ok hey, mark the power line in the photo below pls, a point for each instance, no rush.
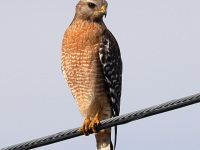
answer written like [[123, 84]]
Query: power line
[[119, 120]]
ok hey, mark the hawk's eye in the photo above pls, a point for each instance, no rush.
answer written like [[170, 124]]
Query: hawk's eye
[[91, 5]]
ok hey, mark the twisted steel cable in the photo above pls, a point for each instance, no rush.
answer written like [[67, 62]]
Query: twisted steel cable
[[119, 120]]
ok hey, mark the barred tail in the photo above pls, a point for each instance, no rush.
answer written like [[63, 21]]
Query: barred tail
[[103, 140]]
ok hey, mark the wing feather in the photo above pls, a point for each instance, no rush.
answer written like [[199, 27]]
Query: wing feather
[[110, 58]]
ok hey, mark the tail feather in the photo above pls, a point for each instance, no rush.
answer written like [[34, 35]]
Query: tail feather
[[111, 145], [103, 140], [115, 140]]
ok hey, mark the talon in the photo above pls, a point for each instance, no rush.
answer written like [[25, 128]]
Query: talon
[[94, 124], [85, 127]]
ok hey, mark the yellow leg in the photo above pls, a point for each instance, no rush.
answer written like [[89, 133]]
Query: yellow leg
[[95, 122], [85, 127]]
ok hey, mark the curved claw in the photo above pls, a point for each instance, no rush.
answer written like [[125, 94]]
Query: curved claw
[[85, 127], [95, 122]]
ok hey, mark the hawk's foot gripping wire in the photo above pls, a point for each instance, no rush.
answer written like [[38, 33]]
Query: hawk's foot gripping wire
[[95, 123], [85, 127]]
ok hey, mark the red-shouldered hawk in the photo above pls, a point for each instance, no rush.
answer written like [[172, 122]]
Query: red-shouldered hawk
[[92, 67]]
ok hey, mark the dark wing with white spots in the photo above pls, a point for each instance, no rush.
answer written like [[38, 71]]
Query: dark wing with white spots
[[110, 58]]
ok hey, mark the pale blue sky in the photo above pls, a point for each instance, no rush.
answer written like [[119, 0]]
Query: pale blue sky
[[160, 47]]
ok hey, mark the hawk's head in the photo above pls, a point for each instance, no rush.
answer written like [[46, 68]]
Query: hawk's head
[[91, 9]]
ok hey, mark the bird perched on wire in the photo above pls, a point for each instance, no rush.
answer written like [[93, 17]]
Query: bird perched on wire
[[92, 67]]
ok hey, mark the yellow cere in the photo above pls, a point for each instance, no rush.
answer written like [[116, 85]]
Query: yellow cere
[[103, 8]]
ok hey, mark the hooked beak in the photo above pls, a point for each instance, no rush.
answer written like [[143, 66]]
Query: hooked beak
[[104, 11]]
